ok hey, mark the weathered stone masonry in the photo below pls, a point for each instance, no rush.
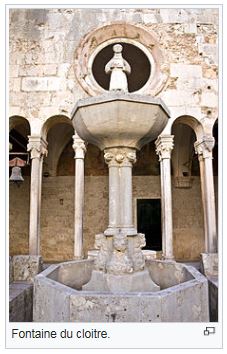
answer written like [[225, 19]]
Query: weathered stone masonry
[[44, 89]]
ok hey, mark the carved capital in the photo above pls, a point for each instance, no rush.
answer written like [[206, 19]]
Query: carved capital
[[120, 157], [204, 147], [37, 147], [164, 146], [79, 147]]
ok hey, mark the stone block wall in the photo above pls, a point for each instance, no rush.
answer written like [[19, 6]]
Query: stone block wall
[[57, 215], [43, 84], [19, 199], [43, 43]]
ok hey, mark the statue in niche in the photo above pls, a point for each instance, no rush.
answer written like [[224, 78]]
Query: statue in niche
[[118, 68]]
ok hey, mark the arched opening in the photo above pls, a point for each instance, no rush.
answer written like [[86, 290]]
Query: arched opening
[[188, 225], [19, 129], [57, 214]]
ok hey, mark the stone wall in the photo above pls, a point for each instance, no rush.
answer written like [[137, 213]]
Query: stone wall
[[43, 84], [43, 44], [57, 215], [19, 217]]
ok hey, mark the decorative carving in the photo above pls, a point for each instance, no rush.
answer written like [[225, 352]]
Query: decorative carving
[[37, 147], [164, 146], [103, 254], [204, 147], [120, 157], [120, 262], [138, 257], [118, 67], [79, 147]]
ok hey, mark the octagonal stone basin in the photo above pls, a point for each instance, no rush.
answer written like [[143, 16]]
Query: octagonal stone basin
[[58, 296], [120, 119]]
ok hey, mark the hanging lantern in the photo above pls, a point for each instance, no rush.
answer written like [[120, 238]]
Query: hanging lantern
[[16, 175]]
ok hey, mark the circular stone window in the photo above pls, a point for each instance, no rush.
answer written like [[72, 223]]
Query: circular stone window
[[137, 59], [140, 49]]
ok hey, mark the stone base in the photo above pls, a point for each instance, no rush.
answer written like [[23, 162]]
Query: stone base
[[26, 267], [137, 281], [209, 264]]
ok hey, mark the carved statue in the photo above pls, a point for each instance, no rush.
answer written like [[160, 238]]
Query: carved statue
[[118, 67]]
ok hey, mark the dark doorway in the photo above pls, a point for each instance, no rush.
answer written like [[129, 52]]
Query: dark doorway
[[149, 222]]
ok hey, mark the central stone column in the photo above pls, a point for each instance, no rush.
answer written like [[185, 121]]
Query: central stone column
[[120, 264], [120, 161]]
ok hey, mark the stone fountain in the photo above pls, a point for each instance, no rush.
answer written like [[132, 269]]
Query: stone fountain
[[120, 123], [120, 284]]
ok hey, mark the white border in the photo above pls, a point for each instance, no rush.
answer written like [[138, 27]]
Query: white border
[[177, 328]]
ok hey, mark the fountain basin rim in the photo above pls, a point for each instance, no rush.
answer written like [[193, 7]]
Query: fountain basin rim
[[120, 96]]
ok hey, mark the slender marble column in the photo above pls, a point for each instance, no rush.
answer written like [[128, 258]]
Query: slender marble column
[[38, 148], [114, 192], [120, 161], [204, 149], [80, 150], [164, 146]]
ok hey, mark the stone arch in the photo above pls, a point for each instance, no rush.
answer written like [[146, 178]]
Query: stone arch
[[120, 32], [15, 121], [52, 121], [19, 130], [58, 131], [186, 130], [189, 229]]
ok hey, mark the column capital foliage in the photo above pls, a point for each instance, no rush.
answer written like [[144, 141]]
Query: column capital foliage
[[120, 157], [37, 146], [79, 146], [164, 146], [204, 146]]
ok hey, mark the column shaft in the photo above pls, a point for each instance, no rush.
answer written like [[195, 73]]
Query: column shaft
[[210, 207], [120, 160], [34, 208], [203, 194], [167, 201], [126, 196], [114, 195], [204, 149], [37, 146], [164, 146], [80, 149]]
